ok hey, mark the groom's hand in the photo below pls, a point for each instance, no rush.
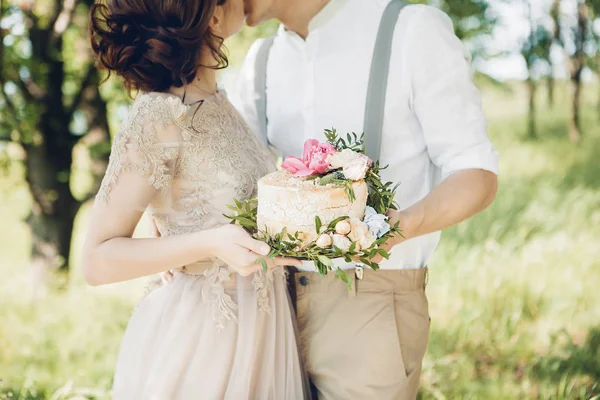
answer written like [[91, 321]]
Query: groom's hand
[[402, 219]]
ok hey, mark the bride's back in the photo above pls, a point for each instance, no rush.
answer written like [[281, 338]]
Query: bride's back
[[200, 157]]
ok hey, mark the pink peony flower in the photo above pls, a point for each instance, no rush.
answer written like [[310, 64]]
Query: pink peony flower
[[313, 161]]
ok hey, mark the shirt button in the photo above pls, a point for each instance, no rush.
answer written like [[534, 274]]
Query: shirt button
[[303, 280]]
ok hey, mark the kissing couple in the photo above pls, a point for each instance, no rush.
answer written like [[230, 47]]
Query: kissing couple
[[222, 327]]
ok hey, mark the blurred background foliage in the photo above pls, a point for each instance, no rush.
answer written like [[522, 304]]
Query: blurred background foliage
[[514, 292]]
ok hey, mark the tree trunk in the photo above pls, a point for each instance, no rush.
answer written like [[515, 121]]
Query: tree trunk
[[52, 215], [48, 167], [598, 76], [97, 140], [575, 122], [531, 130], [577, 66], [556, 36], [555, 14], [551, 88]]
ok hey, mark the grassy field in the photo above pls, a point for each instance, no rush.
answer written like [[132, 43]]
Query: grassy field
[[514, 292]]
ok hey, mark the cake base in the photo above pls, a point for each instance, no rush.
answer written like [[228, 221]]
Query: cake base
[[290, 204]]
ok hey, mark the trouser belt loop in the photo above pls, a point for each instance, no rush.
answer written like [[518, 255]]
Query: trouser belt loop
[[426, 280]]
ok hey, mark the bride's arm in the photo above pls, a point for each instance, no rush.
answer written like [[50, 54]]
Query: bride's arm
[[141, 169], [111, 254]]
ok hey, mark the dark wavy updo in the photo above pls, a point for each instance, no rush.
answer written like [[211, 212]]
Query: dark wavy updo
[[155, 44]]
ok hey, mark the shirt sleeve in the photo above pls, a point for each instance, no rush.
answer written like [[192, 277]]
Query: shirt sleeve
[[444, 97], [244, 93]]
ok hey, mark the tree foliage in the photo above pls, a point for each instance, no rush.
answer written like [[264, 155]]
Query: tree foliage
[[51, 106]]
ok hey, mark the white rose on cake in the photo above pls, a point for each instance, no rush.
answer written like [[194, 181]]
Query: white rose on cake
[[341, 242], [354, 165]]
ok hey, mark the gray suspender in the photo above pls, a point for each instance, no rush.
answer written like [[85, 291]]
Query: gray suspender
[[378, 77]]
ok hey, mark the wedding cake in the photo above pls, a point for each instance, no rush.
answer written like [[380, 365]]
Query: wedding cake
[[292, 203], [330, 204]]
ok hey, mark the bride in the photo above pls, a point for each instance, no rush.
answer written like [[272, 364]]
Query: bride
[[222, 328]]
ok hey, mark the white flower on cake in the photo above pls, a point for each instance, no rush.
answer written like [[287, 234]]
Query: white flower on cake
[[342, 227], [324, 241], [360, 234], [354, 165], [377, 223], [341, 242]]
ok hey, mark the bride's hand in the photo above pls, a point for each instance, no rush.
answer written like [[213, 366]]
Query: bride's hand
[[236, 248]]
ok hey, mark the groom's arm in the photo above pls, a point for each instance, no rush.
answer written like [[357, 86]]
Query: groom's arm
[[448, 107], [460, 196]]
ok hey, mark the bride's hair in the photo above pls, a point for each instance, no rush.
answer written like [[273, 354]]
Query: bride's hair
[[155, 44]]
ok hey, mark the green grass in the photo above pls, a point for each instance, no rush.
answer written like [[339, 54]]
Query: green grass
[[514, 292]]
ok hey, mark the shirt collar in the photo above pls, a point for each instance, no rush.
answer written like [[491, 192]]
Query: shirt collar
[[321, 19], [326, 14]]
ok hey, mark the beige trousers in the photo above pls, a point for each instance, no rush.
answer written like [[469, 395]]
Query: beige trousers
[[364, 343]]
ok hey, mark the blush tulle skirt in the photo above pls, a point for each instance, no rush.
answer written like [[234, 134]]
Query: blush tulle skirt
[[212, 336]]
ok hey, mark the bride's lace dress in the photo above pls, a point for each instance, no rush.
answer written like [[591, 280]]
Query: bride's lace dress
[[209, 334]]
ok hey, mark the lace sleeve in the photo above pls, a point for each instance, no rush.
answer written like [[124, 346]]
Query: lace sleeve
[[148, 145]]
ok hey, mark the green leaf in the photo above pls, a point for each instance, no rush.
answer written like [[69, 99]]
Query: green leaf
[[233, 208], [327, 179], [318, 224], [321, 268], [245, 222], [384, 253], [333, 223], [352, 247], [326, 261], [264, 265], [339, 273]]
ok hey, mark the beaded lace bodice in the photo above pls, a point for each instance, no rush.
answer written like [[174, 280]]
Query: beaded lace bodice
[[197, 159]]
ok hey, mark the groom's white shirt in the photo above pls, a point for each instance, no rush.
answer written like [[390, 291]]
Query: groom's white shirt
[[434, 124]]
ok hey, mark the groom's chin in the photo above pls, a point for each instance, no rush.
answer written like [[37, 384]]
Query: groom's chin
[[250, 21]]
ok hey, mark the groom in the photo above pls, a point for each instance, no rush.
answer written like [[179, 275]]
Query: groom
[[369, 343]]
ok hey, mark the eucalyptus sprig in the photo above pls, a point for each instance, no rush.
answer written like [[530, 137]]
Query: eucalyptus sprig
[[381, 195], [244, 214], [352, 141]]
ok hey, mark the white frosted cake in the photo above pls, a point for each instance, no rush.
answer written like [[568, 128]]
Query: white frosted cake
[[292, 203]]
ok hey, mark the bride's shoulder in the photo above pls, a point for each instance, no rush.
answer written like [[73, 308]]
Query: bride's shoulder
[[156, 106]]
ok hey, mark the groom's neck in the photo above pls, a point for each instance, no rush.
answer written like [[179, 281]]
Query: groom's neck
[[297, 14]]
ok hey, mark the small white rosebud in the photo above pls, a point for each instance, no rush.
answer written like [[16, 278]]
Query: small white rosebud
[[360, 234], [342, 227], [324, 241]]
